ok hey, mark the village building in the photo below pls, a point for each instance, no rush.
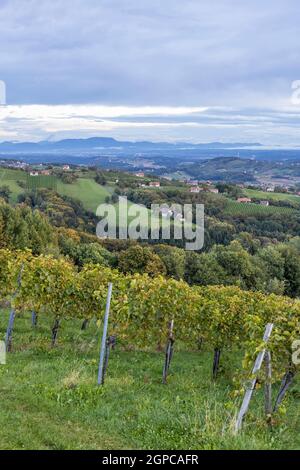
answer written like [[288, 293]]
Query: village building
[[195, 189], [244, 200], [213, 190]]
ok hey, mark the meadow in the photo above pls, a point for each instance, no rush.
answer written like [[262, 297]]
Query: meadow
[[90, 193], [50, 399], [10, 178], [86, 190]]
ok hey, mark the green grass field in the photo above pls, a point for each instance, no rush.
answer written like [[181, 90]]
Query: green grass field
[[9, 174], [50, 400], [9, 178], [90, 193], [85, 189]]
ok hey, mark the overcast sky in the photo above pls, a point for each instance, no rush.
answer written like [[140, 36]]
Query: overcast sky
[[195, 70]]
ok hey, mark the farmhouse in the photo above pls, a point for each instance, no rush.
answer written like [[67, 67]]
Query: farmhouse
[[264, 203], [213, 190], [244, 200], [140, 174], [195, 189], [66, 167], [154, 184]]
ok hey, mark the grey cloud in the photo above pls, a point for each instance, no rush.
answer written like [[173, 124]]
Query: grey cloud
[[236, 57], [219, 52]]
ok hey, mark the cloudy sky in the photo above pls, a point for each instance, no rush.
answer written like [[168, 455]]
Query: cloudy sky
[[193, 70]]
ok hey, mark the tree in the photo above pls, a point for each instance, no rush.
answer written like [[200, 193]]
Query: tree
[[204, 270], [173, 258], [291, 269], [100, 179], [139, 259], [22, 228], [5, 192]]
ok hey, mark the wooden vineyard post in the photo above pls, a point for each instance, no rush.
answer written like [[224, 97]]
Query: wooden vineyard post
[[12, 316], [285, 384], [103, 350], [169, 353], [9, 331], [216, 363], [54, 332], [33, 319], [251, 388], [268, 385], [110, 343], [84, 324]]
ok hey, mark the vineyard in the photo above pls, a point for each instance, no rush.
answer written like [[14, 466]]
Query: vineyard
[[251, 209], [148, 313], [41, 181]]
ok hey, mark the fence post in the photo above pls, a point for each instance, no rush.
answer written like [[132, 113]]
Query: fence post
[[104, 335], [169, 353], [12, 316], [268, 384], [251, 388], [10, 326], [285, 384], [33, 318]]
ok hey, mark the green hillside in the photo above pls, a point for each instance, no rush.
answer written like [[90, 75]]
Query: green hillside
[[90, 193], [269, 196], [9, 178]]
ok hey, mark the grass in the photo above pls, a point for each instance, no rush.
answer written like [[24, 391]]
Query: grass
[[9, 174], [49, 398], [85, 189], [9, 178], [90, 193]]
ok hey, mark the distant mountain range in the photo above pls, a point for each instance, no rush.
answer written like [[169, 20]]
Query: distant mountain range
[[107, 152], [101, 143]]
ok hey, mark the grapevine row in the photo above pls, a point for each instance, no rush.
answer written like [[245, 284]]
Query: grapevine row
[[224, 318]]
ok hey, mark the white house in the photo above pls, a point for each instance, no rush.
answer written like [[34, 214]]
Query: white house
[[195, 189]]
